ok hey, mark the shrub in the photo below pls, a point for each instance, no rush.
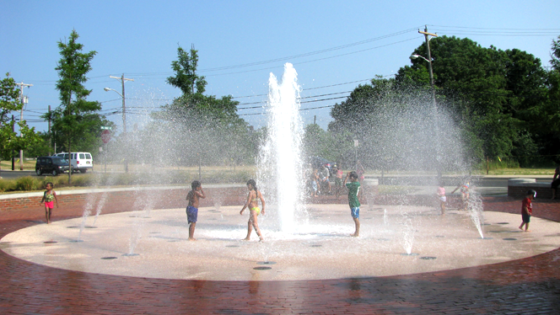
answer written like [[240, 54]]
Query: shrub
[[26, 183], [7, 185]]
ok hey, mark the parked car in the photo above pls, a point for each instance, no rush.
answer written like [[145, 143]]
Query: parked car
[[81, 161], [51, 165]]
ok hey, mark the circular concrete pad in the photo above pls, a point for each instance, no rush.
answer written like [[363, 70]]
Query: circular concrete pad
[[157, 246]]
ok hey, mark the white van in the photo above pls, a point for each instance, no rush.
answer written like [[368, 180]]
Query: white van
[[81, 161]]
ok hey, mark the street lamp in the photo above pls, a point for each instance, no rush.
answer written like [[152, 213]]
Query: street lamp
[[123, 79], [123, 106], [415, 56]]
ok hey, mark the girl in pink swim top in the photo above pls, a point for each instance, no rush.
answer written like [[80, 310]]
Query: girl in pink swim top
[[253, 205], [441, 197], [48, 198]]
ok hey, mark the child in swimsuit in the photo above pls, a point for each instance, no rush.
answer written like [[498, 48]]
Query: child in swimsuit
[[192, 208], [253, 205], [48, 198], [354, 199], [441, 197]]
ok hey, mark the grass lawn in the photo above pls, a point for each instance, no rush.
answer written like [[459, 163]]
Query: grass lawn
[[519, 171], [27, 165]]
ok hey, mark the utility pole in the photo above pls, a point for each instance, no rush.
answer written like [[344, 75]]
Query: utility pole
[[192, 48], [123, 79], [426, 35], [13, 153], [23, 101], [427, 38], [50, 136]]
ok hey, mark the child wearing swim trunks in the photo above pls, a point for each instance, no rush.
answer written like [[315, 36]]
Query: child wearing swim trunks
[[527, 209], [192, 208], [253, 205], [48, 198], [353, 199]]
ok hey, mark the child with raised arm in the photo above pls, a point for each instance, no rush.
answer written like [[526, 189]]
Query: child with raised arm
[[527, 209], [253, 205], [48, 198], [465, 195], [353, 199], [192, 208]]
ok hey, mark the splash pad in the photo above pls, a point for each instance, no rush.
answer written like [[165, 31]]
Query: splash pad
[[322, 249]]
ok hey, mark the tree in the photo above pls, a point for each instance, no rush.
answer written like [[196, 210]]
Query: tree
[[201, 129], [75, 117], [498, 92], [9, 102], [555, 56], [185, 73]]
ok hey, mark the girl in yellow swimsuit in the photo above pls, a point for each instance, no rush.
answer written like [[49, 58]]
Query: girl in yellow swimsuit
[[253, 205]]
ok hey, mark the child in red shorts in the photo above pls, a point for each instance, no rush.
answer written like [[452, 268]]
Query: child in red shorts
[[527, 209], [48, 198]]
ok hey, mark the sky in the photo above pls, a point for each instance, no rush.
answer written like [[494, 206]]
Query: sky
[[333, 45]]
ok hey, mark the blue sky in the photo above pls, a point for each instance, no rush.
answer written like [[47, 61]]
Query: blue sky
[[330, 43]]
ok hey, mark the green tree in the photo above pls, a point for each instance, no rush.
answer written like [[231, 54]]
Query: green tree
[[9, 102], [494, 91], [75, 117], [201, 129], [555, 57], [185, 77]]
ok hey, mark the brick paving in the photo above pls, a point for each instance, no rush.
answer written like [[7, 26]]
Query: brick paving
[[526, 286]]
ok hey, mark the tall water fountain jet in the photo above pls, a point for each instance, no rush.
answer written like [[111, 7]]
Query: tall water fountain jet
[[280, 163]]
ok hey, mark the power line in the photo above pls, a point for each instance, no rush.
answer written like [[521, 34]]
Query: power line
[[499, 28]]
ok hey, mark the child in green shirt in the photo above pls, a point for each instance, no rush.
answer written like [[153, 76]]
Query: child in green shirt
[[353, 199]]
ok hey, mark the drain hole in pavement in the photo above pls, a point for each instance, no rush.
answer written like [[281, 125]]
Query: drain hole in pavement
[[262, 268], [109, 257], [90, 227], [510, 239], [73, 227], [76, 241], [266, 263], [428, 257], [50, 242], [502, 223], [316, 245]]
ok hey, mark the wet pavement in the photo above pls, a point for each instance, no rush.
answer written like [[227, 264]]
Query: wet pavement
[[524, 286]]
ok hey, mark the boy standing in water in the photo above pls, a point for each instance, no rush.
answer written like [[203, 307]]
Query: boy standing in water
[[527, 209], [192, 209], [353, 199]]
